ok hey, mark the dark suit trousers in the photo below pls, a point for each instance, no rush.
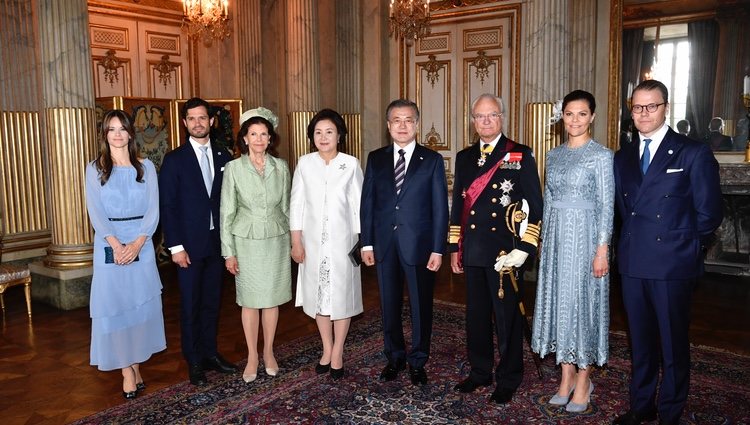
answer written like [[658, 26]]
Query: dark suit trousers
[[659, 312], [200, 296], [482, 304], [392, 271]]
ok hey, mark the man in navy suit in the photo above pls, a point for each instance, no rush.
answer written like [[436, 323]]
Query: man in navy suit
[[189, 188], [669, 200], [497, 207], [404, 213]]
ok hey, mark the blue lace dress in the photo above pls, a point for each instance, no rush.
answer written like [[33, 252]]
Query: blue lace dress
[[127, 323], [571, 314]]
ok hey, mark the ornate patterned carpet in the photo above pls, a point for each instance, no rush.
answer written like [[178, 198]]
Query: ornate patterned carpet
[[719, 393]]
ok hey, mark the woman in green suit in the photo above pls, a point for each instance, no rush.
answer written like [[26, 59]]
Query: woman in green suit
[[255, 233]]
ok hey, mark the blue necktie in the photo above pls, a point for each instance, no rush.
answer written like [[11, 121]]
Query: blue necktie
[[646, 157], [208, 179], [400, 170]]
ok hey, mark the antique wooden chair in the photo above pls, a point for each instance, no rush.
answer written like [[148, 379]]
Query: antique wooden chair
[[11, 275]]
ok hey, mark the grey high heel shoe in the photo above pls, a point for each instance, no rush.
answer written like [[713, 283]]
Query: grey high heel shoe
[[561, 400], [578, 408]]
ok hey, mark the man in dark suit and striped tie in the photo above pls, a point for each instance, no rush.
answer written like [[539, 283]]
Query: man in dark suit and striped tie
[[404, 213]]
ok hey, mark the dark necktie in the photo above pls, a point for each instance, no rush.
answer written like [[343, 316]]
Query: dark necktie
[[400, 171], [646, 157]]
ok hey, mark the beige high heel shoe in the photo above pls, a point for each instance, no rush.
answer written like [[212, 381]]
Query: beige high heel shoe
[[250, 377]]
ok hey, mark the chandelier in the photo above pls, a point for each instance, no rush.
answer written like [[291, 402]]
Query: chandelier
[[206, 19], [409, 19]]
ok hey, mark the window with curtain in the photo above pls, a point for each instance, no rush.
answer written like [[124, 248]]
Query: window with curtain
[[672, 67]]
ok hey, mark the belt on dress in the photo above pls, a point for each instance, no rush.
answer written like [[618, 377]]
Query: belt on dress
[[138, 217], [574, 204]]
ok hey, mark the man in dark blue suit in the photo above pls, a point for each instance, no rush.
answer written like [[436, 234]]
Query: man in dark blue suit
[[189, 188], [669, 201], [404, 213]]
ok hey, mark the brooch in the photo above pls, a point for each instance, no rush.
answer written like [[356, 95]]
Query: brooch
[[342, 167]]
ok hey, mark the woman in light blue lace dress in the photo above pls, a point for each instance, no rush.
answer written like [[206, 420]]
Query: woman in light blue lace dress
[[571, 314], [122, 198]]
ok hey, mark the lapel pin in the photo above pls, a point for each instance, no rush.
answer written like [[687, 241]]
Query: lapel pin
[[670, 151], [421, 158]]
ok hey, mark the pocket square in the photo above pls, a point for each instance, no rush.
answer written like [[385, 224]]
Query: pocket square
[[674, 170]]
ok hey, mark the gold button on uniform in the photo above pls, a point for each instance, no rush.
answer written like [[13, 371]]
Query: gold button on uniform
[[493, 229], [494, 185], [494, 200], [494, 214], [473, 226], [472, 212]]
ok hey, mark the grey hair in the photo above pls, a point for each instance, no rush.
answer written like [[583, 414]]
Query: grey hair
[[496, 99]]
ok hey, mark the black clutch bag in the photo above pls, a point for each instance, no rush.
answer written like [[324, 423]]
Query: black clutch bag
[[355, 255], [109, 255]]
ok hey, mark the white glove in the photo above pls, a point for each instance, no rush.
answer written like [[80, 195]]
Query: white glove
[[500, 262], [515, 258]]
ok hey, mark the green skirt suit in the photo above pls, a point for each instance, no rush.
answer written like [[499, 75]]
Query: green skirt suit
[[255, 229]]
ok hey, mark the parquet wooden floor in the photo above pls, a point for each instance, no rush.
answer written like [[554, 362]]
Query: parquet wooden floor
[[45, 377]]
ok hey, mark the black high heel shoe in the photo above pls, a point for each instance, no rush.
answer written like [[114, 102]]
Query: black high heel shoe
[[337, 374], [140, 386], [130, 394], [322, 368]]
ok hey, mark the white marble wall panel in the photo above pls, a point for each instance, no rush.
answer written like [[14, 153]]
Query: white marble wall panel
[[250, 52], [67, 79], [19, 90], [546, 51], [348, 56], [303, 74]]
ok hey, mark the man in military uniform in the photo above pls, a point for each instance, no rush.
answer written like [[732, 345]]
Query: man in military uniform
[[497, 207]]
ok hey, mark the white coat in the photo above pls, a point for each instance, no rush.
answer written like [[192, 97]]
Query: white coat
[[339, 184]]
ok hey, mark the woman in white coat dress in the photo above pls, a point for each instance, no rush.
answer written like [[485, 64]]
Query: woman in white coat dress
[[324, 224]]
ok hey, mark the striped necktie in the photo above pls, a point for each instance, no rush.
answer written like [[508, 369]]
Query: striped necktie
[[646, 157], [400, 171]]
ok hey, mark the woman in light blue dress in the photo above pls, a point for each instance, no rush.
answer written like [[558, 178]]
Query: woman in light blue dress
[[571, 314], [122, 198]]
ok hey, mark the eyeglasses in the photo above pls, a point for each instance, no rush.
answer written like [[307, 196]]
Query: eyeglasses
[[481, 117], [408, 121], [651, 107]]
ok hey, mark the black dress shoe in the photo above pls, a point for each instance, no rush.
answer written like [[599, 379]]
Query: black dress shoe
[[391, 370], [502, 395], [130, 394], [140, 386], [467, 386], [322, 368], [631, 417], [218, 364], [197, 377], [418, 375], [336, 374]]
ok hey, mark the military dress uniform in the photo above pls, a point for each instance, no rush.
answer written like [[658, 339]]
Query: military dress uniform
[[506, 215]]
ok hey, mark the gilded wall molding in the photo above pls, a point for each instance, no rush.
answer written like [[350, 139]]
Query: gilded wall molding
[[24, 204], [539, 135], [298, 141], [615, 74], [71, 143]]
